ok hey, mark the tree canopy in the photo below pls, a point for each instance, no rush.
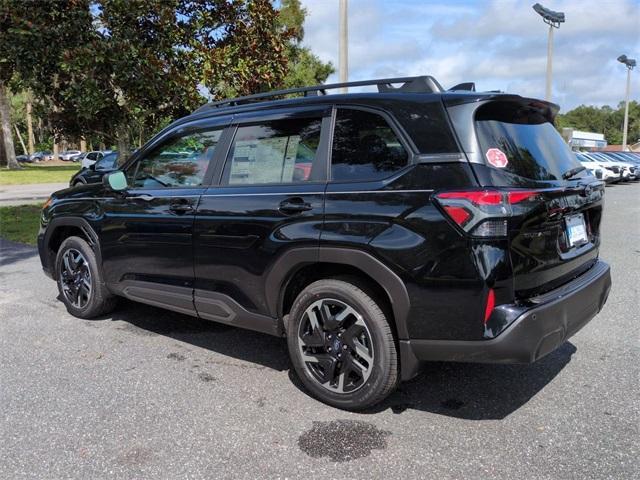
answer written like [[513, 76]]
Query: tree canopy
[[120, 69], [605, 120]]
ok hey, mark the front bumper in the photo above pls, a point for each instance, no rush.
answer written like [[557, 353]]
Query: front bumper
[[545, 323]]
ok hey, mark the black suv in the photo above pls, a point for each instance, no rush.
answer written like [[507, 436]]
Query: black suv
[[373, 230]]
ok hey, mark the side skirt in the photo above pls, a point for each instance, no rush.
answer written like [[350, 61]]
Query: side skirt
[[224, 309], [204, 304]]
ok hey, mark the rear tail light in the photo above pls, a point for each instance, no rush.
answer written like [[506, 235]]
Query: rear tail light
[[491, 303], [483, 213]]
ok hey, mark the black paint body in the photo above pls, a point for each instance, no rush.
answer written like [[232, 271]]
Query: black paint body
[[229, 253]]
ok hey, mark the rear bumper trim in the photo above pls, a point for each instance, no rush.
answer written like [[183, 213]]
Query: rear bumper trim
[[542, 328]]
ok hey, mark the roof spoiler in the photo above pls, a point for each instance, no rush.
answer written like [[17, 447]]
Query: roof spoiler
[[465, 87]]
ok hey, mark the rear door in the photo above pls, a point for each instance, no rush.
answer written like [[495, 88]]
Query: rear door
[[269, 199], [554, 230], [147, 234]]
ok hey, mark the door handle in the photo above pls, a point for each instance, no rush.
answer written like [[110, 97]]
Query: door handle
[[294, 205], [145, 197], [181, 207]]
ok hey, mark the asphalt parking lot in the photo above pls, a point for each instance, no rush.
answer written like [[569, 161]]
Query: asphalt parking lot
[[146, 393]]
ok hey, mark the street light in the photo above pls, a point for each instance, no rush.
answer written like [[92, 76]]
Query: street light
[[630, 63], [343, 62], [553, 19]]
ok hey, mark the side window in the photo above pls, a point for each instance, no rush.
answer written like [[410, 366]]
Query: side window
[[180, 162], [280, 151], [108, 162], [92, 156], [365, 147]]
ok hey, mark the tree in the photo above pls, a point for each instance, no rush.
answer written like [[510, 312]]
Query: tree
[[114, 70], [7, 67], [604, 120], [305, 68]]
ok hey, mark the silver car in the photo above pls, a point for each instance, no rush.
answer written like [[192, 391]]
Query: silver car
[[68, 155]]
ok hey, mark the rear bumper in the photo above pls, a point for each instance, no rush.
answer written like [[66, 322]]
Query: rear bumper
[[544, 324]]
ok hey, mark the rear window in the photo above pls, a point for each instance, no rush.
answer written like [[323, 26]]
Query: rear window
[[522, 135]]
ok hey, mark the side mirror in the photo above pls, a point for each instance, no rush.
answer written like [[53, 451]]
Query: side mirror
[[116, 181]]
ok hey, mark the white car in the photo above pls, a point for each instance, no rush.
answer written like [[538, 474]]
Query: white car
[[598, 170], [605, 160], [92, 157], [616, 170]]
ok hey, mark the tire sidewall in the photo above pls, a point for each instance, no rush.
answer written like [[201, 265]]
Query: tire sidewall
[[95, 301], [373, 317]]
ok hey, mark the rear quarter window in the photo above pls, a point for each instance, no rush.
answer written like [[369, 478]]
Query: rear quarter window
[[426, 124]]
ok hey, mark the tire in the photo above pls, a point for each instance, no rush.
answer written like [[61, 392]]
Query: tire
[[353, 325], [75, 266]]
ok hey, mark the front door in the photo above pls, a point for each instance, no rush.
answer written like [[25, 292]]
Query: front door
[[270, 198], [147, 234]]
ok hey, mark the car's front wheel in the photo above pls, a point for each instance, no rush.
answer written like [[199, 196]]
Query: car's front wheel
[[341, 344], [80, 282]]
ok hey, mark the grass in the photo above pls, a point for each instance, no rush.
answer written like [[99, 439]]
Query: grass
[[38, 174], [21, 223]]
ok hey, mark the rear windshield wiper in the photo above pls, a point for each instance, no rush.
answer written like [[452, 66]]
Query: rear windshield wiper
[[574, 171]]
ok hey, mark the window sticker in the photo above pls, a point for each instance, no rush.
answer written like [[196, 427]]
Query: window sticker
[[496, 158]]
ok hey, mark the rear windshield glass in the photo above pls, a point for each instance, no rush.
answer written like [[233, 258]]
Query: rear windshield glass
[[532, 146]]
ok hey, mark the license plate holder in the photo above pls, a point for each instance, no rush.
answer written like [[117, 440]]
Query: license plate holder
[[576, 230]]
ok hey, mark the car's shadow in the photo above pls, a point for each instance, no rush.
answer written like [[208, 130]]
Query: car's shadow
[[12, 252], [246, 345], [467, 391]]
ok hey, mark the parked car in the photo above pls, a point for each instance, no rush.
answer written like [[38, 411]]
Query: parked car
[[95, 172], [41, 156], [630, 157], [78, 157], [599, 170], [626, 169], [68, 155], [23, 159], [431, 225], [634, 171], [92, 157], [613, 168]]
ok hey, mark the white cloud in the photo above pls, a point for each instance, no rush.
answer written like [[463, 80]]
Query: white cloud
[[498, 44]]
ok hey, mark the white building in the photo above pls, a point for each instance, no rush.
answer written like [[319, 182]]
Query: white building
[[577, 139]]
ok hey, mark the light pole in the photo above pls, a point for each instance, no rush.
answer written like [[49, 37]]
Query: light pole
[[343, 66], [553, 19], [630, 63]]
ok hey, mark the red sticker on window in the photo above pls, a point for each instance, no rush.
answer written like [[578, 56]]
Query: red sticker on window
[[496, 157]]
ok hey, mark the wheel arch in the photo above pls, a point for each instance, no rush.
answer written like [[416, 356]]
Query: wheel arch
[[64, 227], [383, 280]]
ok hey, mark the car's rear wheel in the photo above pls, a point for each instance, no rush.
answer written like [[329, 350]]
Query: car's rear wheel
[[341, 344], [80, 282]]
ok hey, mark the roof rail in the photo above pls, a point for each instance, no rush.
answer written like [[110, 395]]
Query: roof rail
[[420, 84]]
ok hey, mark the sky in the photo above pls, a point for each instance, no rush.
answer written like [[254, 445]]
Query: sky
[[499, 44]]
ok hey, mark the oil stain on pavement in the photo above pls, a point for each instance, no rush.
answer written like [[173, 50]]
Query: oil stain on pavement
[[342, 440]]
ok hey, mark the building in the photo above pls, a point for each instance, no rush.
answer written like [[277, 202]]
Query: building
[[618, 148], [578, 140]]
